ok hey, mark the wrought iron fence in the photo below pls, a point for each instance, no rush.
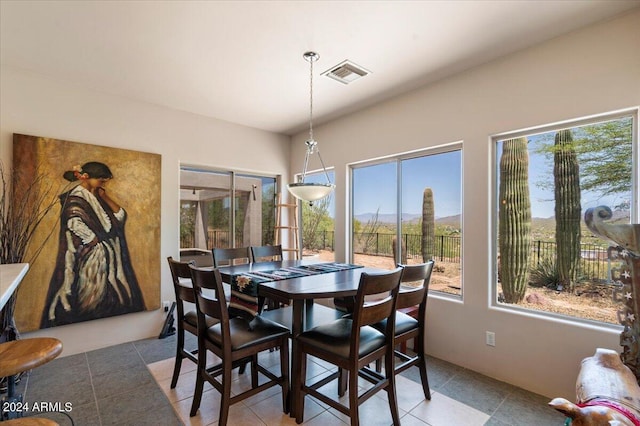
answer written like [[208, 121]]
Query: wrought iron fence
[[594, 262], [215, 238], [446, 247]]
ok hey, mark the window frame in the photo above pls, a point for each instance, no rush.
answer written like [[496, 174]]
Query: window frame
[[494, 193], [397, 159]]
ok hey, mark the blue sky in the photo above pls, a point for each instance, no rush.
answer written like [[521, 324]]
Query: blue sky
[[375, 186], [541, 181]]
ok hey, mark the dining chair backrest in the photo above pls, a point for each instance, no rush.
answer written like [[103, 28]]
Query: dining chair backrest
[[201, 257], [187, 321], [230, 256], [414, 295], [213, 305], [384, 286], [266, 253], [182, 292]]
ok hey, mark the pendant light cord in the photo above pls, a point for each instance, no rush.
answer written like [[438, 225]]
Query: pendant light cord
[[312, 145], [311, 61]]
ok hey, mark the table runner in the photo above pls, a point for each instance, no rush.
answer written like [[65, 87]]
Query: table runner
[[244, 287]]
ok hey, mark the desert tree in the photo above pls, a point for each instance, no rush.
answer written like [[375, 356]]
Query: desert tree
[[315, 221]]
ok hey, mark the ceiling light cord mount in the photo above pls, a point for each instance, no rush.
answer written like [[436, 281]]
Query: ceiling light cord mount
[[307, 191]]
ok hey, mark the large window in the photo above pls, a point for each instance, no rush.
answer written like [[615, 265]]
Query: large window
[[407, 209], [546, 258], [225, 209]]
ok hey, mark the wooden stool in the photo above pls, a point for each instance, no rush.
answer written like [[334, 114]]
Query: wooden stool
[[30, 421], [22, 355]]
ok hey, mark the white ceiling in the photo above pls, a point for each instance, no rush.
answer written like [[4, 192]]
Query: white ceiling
[[241, 61]]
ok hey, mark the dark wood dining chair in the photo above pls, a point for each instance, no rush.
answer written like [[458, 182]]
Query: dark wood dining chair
[[266, 253], [201, 257], [235, 256], [187, 319], [233, 340], [406, 326], [351, 344], [230, 256]]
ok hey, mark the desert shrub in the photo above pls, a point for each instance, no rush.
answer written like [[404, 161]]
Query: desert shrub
[[544, 274], [439, 268]]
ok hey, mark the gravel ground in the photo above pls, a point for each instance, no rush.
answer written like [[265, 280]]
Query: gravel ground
[[591, 301]]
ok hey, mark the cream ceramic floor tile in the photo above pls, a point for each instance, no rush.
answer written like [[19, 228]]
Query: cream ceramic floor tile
[[252, 400], [161, 369], [164, 369], [374, 412], [314, 370], [444, 411], [409, 393], [270, 411], [184, 388], [241, 415], [312, 408], [207, 414], [325, 419], [270, 359], [409, 420]]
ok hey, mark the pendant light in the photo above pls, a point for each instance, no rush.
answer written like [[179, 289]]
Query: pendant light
[[309, 191]]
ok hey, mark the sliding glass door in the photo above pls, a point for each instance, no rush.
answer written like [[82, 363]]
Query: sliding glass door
[[225, 209]]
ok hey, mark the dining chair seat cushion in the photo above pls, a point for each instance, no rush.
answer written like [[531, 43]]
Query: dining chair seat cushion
[[404, 323], [192, 318], [247, 333], [314, 315], [335, 338]]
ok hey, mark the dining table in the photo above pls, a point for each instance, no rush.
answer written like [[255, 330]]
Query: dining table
[[325, 280]]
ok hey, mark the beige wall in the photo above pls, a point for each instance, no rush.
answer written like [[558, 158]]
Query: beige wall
[[588, 72], [35, 105]]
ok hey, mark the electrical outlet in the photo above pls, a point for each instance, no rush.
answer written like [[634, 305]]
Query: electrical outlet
[[165, 305], [491, 338]]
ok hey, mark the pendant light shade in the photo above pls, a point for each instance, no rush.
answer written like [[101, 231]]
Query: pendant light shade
[[310, 191]]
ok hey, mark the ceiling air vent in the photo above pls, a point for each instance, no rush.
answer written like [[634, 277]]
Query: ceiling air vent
[[346, 72]]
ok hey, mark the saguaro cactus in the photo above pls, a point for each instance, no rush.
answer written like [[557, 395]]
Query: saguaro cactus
[[566, 179], [514, 231], [428, 225]]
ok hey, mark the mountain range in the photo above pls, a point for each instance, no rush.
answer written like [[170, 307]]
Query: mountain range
[[622, 216], [406, 217]]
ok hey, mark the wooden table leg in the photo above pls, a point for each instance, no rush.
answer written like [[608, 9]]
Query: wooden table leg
[[298, 308]]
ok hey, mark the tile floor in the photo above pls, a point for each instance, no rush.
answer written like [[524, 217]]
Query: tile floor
[[128, 384]]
